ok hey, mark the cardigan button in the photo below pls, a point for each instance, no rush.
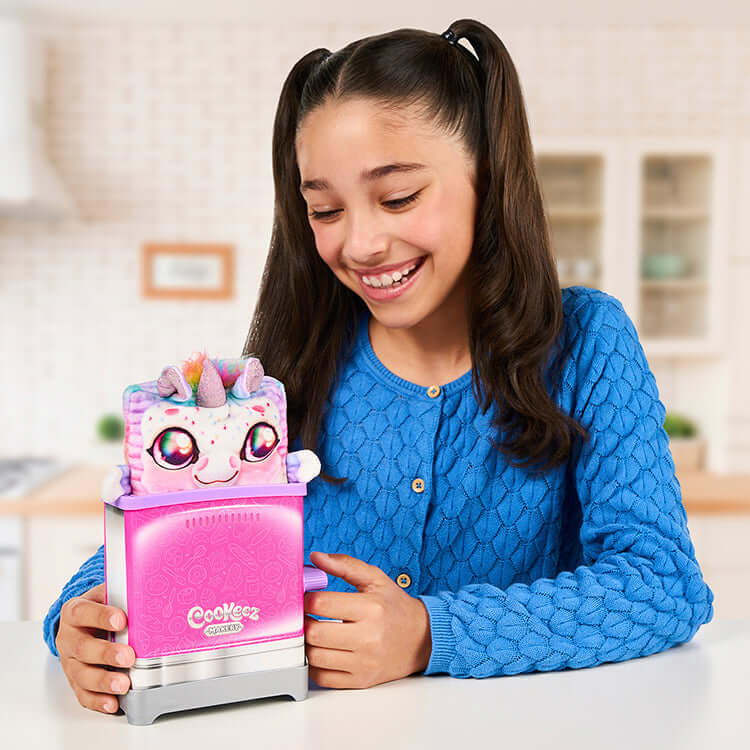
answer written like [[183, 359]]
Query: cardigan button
[[433, 391], [403, 580], [418, 485]]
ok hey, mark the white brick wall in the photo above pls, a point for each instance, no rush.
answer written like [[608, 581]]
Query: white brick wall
[[162, 131]]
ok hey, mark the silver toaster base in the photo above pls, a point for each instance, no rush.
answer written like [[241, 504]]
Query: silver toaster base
[[142, 706], [201, 665]]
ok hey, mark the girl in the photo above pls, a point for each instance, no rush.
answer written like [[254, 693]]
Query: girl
[[497, 488]]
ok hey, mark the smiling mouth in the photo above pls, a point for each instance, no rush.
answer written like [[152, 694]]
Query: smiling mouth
[[219, 481]]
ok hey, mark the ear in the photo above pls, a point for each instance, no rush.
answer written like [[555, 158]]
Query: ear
[[171, 383], [249, 380]]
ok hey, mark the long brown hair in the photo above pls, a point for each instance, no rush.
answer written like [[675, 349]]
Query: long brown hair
[[305, 320]]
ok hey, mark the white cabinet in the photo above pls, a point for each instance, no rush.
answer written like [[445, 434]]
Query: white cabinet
[[677, 198], [645, 220], [580, 180], [56, 547], [721, 550]]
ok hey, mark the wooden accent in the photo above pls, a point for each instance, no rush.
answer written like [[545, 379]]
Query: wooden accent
[[77, 492], [150, 251], [722, 494]]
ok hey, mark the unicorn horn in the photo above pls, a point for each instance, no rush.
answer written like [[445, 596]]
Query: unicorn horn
[[210, 388]]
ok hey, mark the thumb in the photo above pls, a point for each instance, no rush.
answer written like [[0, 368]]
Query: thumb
[[356, 572]]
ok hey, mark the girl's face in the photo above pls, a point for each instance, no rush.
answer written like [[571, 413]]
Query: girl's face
[[420, 217]]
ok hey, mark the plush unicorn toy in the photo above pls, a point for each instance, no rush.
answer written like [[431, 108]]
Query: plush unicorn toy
[[209, 423], [204, 540]]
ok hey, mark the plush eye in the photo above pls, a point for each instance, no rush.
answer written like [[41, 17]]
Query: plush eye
[[260, 441], [174, 448]]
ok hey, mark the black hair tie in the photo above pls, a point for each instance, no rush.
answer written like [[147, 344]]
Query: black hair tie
[[450, 36]]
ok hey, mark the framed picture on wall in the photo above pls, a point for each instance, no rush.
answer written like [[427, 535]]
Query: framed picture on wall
[[187, 271]]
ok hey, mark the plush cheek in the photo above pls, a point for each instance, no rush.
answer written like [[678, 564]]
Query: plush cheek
[[264, 472], [155, 479]]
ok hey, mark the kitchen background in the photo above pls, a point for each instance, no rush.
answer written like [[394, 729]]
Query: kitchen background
[[157, 120]]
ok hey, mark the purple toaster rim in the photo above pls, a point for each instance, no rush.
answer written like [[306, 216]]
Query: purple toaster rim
[[178, 497]]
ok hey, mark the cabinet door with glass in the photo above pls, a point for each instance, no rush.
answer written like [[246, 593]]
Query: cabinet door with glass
[[580, 180], [678, 198]]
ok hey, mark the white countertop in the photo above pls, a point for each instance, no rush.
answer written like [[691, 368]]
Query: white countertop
[[691, 696]]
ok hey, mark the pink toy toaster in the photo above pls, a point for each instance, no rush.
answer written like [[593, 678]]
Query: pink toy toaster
[[204, 540]]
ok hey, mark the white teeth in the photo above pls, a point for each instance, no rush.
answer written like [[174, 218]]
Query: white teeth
[[387, 279]]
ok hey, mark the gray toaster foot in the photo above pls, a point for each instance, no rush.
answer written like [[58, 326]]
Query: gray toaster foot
[[144, 705]]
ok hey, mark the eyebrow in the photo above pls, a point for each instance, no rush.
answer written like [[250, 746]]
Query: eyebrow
[[366, 175]]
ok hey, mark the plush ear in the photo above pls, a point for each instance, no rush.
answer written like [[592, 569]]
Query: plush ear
[[171, 383], [249, 380]]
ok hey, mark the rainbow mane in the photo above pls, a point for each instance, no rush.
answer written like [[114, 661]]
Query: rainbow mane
[[228, 369]]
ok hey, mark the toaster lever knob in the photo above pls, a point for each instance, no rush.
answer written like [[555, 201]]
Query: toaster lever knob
[[314, 578]]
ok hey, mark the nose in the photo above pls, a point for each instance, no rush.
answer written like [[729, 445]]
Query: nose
[[366, 242]]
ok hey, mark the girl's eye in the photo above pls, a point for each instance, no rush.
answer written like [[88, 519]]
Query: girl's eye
[[174, 448], [398, 203], [260, 441]]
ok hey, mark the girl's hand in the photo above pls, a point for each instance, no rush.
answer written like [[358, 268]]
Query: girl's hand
[[81, 651], [385, 633]]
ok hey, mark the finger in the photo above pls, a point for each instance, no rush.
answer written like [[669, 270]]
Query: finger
[[89, 650], [81, 612], [330, 658], [96, 679], [339, 605], [96, 701], [331, 678], [351, 569], [339, 635], [97, 593]]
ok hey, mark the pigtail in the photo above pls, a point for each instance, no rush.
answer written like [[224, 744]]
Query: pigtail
[[515, 314]]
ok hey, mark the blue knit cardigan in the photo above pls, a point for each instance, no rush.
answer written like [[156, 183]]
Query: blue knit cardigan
[[588, 563]]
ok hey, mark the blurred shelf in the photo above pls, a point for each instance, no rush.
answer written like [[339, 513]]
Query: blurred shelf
[[572, 281], [574, 213], [674, 285], [675, 213]]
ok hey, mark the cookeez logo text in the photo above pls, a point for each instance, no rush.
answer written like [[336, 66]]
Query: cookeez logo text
[[223, 619]]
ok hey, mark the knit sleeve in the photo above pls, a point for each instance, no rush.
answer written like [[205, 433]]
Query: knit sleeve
[[90, 574], [640, 589]]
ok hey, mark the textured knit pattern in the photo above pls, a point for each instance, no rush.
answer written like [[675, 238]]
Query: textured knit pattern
[[585, 564]]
